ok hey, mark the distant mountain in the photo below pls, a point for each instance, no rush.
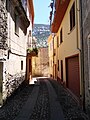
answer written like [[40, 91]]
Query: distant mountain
[[41, 33]]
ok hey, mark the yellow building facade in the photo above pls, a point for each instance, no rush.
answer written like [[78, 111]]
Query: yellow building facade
[[50, 49], [66, 48]]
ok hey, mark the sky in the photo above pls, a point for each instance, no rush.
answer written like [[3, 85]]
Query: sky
[[42, 11]]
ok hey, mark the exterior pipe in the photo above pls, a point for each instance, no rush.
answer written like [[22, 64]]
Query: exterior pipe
[[81, 51], [77, 10], [82, 57]]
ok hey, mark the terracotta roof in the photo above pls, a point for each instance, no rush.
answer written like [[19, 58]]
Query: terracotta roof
[[31, 10], [61, 7]]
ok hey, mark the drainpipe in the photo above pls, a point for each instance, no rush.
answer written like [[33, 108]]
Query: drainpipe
[[82, 56], [77, 10], [81, 50]]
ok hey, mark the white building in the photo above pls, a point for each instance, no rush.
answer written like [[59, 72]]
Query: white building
[[13, 45], [30, 14]]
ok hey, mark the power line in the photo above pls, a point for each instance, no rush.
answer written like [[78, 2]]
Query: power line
[[11, 40], [3, 36]]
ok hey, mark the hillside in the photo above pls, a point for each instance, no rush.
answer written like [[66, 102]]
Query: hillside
[[41, 33]]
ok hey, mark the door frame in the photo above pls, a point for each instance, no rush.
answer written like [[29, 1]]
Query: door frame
[[1, 86]]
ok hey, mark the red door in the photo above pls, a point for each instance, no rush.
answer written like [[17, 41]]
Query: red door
[[72, 75]]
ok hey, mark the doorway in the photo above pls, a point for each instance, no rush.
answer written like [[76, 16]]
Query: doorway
[[72, 74], [1, 79]]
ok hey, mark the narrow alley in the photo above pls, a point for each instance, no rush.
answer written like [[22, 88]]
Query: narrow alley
[[44, 100], [44, 60]]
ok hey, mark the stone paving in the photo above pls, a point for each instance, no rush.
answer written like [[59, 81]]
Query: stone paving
[[15, 102], [46, 100], [71, 108], [55, 107], [42, 108]]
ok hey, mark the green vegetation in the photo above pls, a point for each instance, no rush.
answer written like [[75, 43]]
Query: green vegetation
[[29, 50]]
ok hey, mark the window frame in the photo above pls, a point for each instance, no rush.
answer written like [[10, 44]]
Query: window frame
[[72, 16], [61, 36], [58, 65], [57, 41], [16, 24], [21, 64], [61, 70]]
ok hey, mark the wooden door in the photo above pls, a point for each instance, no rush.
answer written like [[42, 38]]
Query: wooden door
[[72, 75]]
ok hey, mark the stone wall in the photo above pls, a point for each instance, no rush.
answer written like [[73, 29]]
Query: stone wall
[[3, 25], [12, 74], [85, 32], [40, 64], [11, 83]]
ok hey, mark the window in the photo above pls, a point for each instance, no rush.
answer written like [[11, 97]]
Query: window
[[72, 16], [21, 65], [58, 65], [57, 41], [16, 24], [61, 37], [30, 33], [62, 70], [7, 4]]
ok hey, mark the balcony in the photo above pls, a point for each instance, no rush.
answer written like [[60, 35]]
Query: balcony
[[32, 52]]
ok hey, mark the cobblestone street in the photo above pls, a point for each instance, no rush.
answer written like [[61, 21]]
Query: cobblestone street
[[46, 100], [45, 60]]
